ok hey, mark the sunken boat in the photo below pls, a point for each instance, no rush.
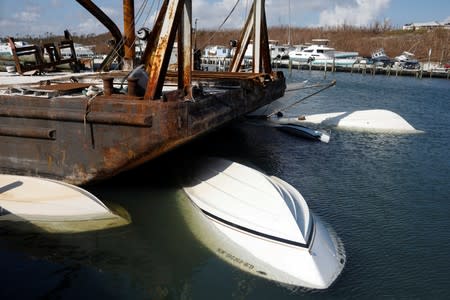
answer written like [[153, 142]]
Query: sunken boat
[[87, 127]]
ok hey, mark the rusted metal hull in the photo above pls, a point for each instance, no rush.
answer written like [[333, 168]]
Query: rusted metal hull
[[80, 141]]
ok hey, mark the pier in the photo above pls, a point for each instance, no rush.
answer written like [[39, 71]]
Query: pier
[[364, 69]]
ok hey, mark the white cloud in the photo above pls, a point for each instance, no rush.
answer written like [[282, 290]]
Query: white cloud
[[356, 13], [29, 14], [212, 15]]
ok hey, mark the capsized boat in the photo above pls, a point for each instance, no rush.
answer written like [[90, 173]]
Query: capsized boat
[[305, 132], [372, 120], [261, 224], [54, 206]]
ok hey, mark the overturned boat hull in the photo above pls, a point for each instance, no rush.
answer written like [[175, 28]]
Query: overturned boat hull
[[51, 206], [305, 132], [375, 120], [261, 225]]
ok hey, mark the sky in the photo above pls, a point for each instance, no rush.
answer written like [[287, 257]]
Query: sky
[[43, 17]]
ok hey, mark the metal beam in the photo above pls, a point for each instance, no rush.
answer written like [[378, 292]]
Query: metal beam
[[185, 51], [257, 36], [110, 25], [243, 42], [129, 35], [265, 49], [159, 56], [255, 27]]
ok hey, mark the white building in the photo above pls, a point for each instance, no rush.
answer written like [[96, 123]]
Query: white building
[[426, 25]]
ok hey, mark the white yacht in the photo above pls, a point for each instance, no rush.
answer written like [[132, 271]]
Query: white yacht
[[407, 60], [260, 224], [319, 53]]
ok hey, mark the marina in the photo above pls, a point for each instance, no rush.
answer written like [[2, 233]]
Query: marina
[[252, 171], [381, 193]]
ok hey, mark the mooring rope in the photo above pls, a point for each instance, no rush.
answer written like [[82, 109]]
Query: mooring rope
[[302, 99], [220, 27]]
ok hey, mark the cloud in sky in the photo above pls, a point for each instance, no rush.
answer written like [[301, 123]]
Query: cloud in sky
[[294, 12], [356, 12], [23, 17]]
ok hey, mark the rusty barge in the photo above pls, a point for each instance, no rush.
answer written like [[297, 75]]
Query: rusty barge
[[55, 129]]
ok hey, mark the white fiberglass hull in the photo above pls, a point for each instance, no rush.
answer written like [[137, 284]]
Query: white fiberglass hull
[[376, 120], [308, 256], [305, 132], [52, 206]]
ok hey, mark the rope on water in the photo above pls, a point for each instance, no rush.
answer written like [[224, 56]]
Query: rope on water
[[300, 100]]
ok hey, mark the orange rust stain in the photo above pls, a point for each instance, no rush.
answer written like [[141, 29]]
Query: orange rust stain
[[49, 161], [112, 156]]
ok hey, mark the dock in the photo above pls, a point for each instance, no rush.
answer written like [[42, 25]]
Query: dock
[[365, 69]]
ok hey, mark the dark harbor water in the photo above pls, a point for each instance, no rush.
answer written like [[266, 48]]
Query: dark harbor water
[[387, 197]]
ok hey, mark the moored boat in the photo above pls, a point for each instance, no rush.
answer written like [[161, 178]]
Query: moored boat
[[319, 53], [407, 60], [261, 224]]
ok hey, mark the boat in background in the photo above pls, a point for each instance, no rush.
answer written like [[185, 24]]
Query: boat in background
[[407, 60], [380, 58], [39, 204], [216, 58], [260, 224], [319, 53]]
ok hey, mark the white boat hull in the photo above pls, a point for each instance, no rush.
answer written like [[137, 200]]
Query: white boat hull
[[53, 206], [377, 120], [305, 132], [313, 263]]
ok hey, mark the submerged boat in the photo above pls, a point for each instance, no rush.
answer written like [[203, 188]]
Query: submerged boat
[[305, 132], [261, 224], [89, 127], [40, 204], [372, 120]]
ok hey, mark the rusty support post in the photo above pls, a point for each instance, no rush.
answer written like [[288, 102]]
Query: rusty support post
[[257, 37], [265, 54], [185, 50], [129, 35], [255, 26], [159, 56], [243, 42]]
